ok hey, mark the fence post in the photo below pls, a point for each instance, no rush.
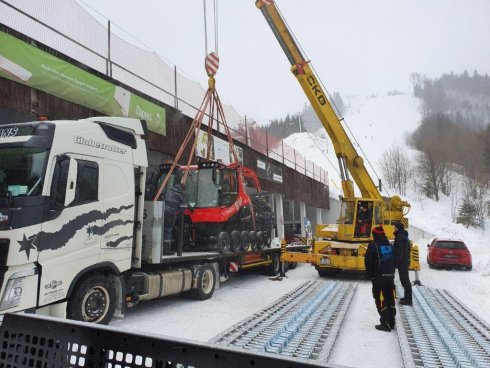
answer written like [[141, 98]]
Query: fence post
[[108, 61], [176, 99], [266, 143]]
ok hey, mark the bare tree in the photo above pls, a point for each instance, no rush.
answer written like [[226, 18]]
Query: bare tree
[[472, 211], [396, 167], [434, 139]]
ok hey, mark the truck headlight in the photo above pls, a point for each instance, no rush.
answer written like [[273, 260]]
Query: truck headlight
[[13, 292]]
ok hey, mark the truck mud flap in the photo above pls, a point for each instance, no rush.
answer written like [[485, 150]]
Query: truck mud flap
[[38, 341]]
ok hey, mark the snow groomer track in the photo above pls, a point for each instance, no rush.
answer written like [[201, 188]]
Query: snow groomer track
[[439, 331], [304, 323]]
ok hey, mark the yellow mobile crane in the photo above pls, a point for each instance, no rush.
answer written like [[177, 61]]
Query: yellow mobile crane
[[344, 244]]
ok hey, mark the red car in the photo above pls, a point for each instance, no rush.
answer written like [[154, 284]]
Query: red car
[[448, 252]]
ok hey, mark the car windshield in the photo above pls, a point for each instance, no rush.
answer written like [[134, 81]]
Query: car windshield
[[22, 171], [450, 245]]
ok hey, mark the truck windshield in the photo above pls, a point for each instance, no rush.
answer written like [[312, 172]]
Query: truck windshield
[[22, 171]]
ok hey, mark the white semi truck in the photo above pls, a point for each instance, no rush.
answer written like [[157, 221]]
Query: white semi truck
[[77, 239]]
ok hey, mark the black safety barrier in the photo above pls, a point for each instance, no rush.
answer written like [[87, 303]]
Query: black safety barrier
[[44, 342]]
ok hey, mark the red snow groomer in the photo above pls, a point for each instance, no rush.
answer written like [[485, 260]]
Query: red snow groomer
[[225, 207]]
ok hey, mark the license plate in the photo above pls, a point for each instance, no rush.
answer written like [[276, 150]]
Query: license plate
[[325, 261], [450, 256]]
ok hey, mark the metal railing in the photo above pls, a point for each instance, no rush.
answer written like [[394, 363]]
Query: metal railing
[[67, 27]]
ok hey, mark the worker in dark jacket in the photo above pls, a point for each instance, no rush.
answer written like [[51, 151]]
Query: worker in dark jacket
[[174, 197], [402, 261], [380, 268]]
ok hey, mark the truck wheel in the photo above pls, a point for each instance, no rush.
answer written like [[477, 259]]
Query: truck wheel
[[275, 265], [93, 300], [253, 239], [244, 241], [205, 283], [235, 241], [293, 265], [223, 242]]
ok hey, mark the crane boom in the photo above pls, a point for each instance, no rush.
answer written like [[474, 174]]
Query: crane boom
[[340, 246], [349, 161]]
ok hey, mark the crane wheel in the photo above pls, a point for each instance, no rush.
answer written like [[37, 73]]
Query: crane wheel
[[235, 241]]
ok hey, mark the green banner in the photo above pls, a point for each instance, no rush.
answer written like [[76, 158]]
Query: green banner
[[28, 65]]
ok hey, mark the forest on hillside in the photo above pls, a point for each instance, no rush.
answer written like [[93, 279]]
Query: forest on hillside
[[453, 141]]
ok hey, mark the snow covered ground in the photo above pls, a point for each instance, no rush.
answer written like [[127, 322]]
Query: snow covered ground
[[383, 121]]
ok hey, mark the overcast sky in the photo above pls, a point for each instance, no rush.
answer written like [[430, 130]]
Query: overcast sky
[[357, 47]]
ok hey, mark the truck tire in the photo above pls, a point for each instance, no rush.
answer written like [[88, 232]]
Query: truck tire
[[223, 242], [205, 283], [235, 241], [244, 241], [275, 265], [93, 300], [293, 265]]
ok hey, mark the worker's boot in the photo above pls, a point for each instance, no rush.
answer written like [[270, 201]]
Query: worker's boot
[[405, 301], [167, 248]]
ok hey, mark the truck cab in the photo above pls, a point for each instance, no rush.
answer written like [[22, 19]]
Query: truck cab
[[68, 209]]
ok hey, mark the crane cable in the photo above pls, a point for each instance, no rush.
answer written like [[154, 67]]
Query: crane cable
[[215, 21]]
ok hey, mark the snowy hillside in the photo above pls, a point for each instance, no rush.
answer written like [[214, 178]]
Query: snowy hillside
[[376, 123]]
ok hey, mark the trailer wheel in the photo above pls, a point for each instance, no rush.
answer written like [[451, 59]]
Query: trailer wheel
[[260, 240], [275, 265], [253, 239], [244, 241], [93, 300], [205, 283], [223, 242], [235, 241]]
